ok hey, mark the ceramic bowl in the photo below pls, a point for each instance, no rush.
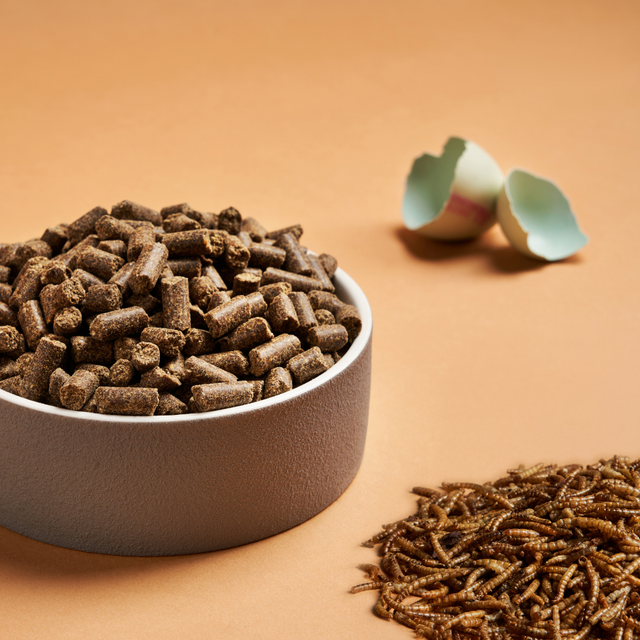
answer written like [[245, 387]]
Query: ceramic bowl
[[173, 485]]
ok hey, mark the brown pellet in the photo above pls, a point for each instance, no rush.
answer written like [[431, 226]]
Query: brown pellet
[[5, 274], [101, 371], [121, 373], [70, 293], [117, 247], [91, 350], [22, 347], [296, 260], [148, 267], [110, 228], [328, 337], [227, 316], [175, 366], [160, 379], [325, 300], [198, 342], [307, 365], [49, 355], [257, 305], [156, 320], [200, 291], [54, 273], [127, 401], [323, 316], [248, 335], [175, 303], [282, 314], [329, 263], [99, 263], [85, 225], [149, 303], [230, 220], [8, 368], [270, 291], [141, 237], [179, 222], [245, 283], [119, 323], [319, 273], [295, 230], [77, 390], [102, 298], [212, 273], [145, 356], [123, 347], [12, 385], [298, 282], [278, 381], [169, 405], [8, 339], [67, 322], [24, 362], [349, 316], [32, 323], [8, 315], [266, 255], [86, 279], [56, 380], [218, 298], [200, 371], [210, 397], [274, 353], [121, 278], [306, 316], [236, 255], [170, 341], [55, 237], [5, 292], [191, 243], [232, 361], [254, 229], [185, 267], [127, 210], [27, 285]]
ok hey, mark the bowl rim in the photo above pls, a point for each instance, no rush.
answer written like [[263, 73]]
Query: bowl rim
[[343, 281]]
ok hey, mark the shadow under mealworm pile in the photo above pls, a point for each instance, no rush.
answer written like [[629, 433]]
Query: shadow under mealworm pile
[[546, 552]]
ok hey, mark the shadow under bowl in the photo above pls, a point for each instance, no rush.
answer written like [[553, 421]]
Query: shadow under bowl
[[174, 485]]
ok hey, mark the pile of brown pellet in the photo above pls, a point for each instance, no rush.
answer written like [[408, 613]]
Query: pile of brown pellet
[[139, 312], [546, 552]]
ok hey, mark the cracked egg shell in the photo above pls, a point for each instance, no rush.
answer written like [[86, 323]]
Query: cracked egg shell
[[452, 197], [537, 219]]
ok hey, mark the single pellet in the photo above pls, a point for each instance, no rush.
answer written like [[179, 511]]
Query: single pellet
[[141, 237], [9, 337], [85, 225], [8, 315], [121, 373], [328, 337], [274, 353], [295, 230], [55, 237], [67, 322], [116, 247], [278, 381], [123, 347], [89, 349], [319, 273], [127, 401], [119, 323], [99, 370], [298, 282], [227, 316], [270, 291], [148, 267], [200, 291], [254, 229], [70, 256], [257, 305], [121, 279], [236, 255], [325, 300], [170, 341], [160, 379], [86, 279], [8, 368], [296, 260], [232, 361], [266, 255], [70, 293], [169, 405], [248, 335], [127, 210], [185, 267], [212, 273], [145, 356], [349, 316], [56, 380], [323, 316], [198, 342], [179, 222], [304, 311], [175, 303], [49, 355], [183, 207], [197, 242], [54, 273], [230, 220], [222, 395], [218, 298], [245, 283], [32, 323], [99, 263], [28, 285], [200, 371], [149, 303], [282, 314], [12, 385], [307, 365], [102, 298], [110, 228], [77, 390], [329, 263]]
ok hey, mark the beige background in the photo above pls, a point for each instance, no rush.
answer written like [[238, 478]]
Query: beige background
[[312, 112]]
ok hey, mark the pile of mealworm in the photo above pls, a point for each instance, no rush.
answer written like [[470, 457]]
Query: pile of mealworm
[[546, 552]]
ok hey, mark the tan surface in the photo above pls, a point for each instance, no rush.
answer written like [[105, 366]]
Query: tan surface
[[313, 112]]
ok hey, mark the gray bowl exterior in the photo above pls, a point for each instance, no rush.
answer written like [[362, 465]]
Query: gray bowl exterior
[[150, 488]]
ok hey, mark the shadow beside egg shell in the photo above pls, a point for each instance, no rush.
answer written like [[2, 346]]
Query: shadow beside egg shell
[[452, 197], [536, 217]]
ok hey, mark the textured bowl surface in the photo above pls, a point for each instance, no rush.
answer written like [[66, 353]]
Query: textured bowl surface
[[172, 485]]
